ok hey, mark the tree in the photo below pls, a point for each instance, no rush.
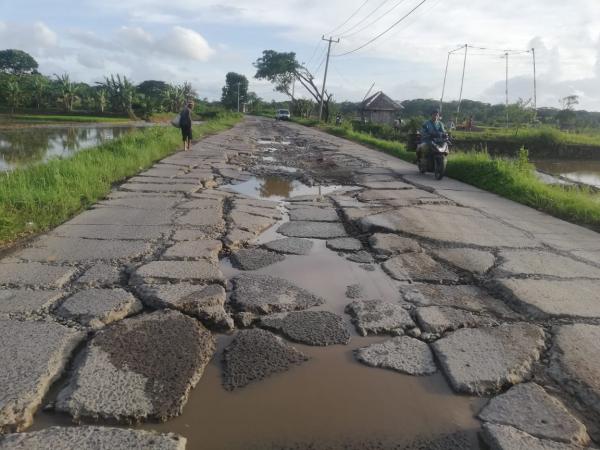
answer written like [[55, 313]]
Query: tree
[[121, 94], [520, 113], [14, 94], [567, 116], [283, 69], [229, 97], [67, 92], [17, 62], [100, 99], [39, 90]]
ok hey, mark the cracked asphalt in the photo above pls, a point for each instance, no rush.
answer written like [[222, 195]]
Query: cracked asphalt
[[278, 287]]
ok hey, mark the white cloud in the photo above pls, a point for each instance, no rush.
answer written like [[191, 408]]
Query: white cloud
[[185, 43], [35, 37]]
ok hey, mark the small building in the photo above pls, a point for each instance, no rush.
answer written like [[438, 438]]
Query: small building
[[379, 108]]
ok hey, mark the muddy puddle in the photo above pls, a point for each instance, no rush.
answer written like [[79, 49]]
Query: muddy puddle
[[278, 188]]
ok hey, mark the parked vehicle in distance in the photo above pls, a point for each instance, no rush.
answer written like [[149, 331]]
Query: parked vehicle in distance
[[282, 114]]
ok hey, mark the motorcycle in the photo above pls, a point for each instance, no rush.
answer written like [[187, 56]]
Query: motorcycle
[[435, 158]]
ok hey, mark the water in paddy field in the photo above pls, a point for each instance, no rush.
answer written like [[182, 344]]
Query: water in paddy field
[[582, 171], [278, 188], [22, 147]]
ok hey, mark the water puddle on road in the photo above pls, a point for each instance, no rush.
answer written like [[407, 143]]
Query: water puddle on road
[[278, 188]]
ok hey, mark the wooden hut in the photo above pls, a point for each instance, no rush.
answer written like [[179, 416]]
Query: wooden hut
[[379, 108]]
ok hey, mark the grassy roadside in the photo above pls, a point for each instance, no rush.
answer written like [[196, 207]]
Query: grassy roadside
[[40, 197], [530, 136], [510, 178]]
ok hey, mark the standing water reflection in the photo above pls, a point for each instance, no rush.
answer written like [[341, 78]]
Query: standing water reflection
[[21, 147]]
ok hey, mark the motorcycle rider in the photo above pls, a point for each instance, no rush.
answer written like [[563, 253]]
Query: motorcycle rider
[[432, 129]]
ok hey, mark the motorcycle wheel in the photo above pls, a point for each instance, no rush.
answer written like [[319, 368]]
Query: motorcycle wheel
[[439, 167]]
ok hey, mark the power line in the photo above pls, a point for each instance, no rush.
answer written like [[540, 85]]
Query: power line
[[313, 53], [383, 32], [364, 18], [375, 21], [349, 18]]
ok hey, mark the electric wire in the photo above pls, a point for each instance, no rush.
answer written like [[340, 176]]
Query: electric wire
[[313, 53], [349, 18], [375, 21], [357, 24], [383, 32]]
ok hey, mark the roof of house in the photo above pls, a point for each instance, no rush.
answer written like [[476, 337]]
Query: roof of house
[[380, 102]]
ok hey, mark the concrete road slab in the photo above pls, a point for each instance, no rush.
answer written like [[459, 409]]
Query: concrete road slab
[[402, 354], [158, 272], [34, 355], [35, 274]]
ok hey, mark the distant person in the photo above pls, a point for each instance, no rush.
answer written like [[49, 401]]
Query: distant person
[[452, 126], [185, 122], [470, 123]]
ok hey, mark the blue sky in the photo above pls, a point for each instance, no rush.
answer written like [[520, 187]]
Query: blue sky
[[200, 41]]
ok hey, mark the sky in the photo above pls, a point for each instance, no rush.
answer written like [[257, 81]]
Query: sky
[[201, 40]]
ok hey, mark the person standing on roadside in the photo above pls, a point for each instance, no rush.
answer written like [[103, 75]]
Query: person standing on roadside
[[185, 122]]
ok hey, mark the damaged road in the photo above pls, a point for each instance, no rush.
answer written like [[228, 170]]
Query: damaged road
[[278, 287]]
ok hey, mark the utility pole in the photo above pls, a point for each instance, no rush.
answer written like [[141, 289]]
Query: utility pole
[[506, 88], [330, 40], [462, 83], [238, 96], [534, 87], [444, 85]]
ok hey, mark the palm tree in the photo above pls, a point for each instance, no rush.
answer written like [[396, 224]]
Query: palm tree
[[14, 94], [39, 90], [121, 93], [67, 92], [101, 99], [174, 98]]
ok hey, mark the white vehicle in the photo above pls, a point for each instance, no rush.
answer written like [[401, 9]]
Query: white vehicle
[[282, 114]]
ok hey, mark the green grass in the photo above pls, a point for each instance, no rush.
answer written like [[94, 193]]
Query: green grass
[[529, 136], [52, 118], [510, 178], [40, 197]]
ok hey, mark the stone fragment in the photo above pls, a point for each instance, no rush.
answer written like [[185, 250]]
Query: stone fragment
[[391, 244], [502, 437], [346, 244], [440, 319], [250, 222], [317, 230], [403, 354], [34, 355], [75, 249], [254, 258], [35, 274], [202, 218], [470, 298], [484, 360], [529, 408], [207, 303], [314, 214], [575, 362], [156, 272], [254, 355], [309, 327], [264, 294], [361, 257], [112, 237], [469, 259], [92, 438], [537, 262], [355, 291], [199, 249], [379, 317], [141, 368], [27, 301], [99, 275], [450, 224], [237, 238], [417, 267], [551, 298], [96, 308], [292, 246]]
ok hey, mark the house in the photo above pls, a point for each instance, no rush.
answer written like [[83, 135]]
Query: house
[[379, 108]]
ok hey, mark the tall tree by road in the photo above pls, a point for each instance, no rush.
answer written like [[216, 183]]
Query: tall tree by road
[[282, 69], [229, 97], [17, 62]]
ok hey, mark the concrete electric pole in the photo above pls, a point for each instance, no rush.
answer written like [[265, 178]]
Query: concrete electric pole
[[330, 40], [238, 96]]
